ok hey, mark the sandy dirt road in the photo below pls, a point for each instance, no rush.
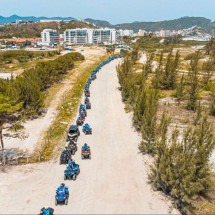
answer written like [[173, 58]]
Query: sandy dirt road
[[113, 182]]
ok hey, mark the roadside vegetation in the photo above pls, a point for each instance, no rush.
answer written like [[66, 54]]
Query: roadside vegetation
[[174, 112], [17, 61], [23, 97], [22, 56]]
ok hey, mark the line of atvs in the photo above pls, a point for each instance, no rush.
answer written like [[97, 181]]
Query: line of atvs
[[72, 169]]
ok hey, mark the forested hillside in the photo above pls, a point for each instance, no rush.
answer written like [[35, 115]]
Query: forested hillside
[[34, 29], [177, 24]]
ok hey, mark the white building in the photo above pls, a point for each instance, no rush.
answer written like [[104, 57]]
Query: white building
[[82, 36], [165, 33], [141, 33], [106, 36], [54, 20], [126, 32], [49, 36]]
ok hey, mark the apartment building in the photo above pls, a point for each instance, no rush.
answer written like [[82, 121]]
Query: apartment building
[[82, 36], [126, 32], [49, 37]]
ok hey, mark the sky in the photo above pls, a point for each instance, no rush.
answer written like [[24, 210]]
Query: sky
[[114, 11]]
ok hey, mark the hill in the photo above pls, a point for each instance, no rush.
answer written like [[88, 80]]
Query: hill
[[13, 18], [34, 29], [100, 23], [176, 24]]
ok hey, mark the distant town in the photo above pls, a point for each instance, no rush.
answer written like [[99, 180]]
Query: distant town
[[51, 38]]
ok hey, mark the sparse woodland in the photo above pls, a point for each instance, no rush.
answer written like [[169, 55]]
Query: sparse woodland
[[23, 96], [181, 155]]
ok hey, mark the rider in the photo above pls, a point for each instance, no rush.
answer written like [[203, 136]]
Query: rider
[[66, 151], [63, 188], [71, 164], [71, 143], [47, 211], [87, 126], [87, 99], [79, 120], [85, 147]]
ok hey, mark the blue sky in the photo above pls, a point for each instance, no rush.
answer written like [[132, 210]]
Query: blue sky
[[114, 11]]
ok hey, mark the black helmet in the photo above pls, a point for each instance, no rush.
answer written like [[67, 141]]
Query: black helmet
[[63, 184]]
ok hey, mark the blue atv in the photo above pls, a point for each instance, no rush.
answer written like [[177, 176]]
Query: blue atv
[[87, 85], [93, 76], [86, 100], [87, 92], [79, 121], [85, 152], [88, 105], [81, 107], [61, 198], [89, 81], [71, 172], [87, 129], [65, 156]]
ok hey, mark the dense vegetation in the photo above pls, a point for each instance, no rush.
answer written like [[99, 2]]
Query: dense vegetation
[[181, 168], [26, 92], [34, 29], [24, 56], [29, 86]]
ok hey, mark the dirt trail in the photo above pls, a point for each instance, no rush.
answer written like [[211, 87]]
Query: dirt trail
[[113, 182]]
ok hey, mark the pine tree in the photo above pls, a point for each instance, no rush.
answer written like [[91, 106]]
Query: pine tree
[[166, 76], [148, 67], [7, 109], [207, 69], [193, 78], [149, 120], [212, 103], [198, 115], [180, 88]]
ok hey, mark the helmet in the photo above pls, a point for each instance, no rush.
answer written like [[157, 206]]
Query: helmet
[[46, 207], [63, 184], [85, 144]]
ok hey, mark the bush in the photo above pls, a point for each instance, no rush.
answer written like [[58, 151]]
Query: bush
[[181, 168]]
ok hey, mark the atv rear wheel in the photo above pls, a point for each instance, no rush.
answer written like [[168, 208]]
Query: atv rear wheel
[[56, 202], [82, 156], [65, 177], [74, 177], [73, 152], [66, 201]]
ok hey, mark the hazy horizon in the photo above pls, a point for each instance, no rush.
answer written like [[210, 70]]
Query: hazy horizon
[[110, 10]]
